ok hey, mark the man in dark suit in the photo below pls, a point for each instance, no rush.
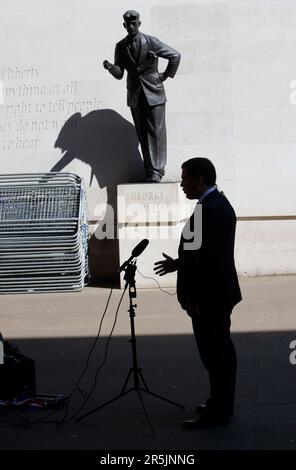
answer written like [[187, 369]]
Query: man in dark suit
[[208, 288], [138, 54]]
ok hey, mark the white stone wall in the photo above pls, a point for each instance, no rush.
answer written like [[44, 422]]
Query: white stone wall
[[233, 99]]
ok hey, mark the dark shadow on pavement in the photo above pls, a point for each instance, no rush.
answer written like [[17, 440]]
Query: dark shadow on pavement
[[265, 412]]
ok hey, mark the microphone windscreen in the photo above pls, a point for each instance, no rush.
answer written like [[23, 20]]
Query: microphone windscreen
[[140, 248]]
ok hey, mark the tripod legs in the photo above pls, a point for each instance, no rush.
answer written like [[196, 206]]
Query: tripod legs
[[145, 412], [147, 390], [130, 270], [136, 388]]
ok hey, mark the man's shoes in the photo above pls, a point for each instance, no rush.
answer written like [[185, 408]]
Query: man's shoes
[[200, 408], [205, 421]]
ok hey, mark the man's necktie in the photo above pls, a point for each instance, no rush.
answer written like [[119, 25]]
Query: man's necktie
[[134, 49]]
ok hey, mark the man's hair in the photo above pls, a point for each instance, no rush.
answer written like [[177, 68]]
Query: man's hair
[[201, 166], [131, 15]]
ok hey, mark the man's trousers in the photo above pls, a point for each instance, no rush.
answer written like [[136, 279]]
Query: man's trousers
[[151, 131], [212, 333]]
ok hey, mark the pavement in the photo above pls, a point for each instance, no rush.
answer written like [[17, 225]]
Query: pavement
[[58, 330]]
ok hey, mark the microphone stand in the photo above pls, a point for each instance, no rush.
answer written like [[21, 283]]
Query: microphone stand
[[135, 371]]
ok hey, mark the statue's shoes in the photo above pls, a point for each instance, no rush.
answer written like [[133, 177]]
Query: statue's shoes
[[152, 179]]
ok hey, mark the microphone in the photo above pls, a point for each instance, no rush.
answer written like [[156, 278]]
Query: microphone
[[137, 251]]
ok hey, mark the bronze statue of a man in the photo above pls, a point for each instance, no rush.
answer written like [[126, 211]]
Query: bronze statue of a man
[[138, 54]]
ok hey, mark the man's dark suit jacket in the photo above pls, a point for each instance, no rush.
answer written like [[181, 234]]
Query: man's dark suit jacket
[[143, 72], [207, 277]]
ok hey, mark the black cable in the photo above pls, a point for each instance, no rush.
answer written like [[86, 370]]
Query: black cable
[[93, 346], [159, 286], [25, 420], [76, 388], [101, 365], [9, 421]]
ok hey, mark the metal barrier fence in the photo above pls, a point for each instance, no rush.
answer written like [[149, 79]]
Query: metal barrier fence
[[43, 233]]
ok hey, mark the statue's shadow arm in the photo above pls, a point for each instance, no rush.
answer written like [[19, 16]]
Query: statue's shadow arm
[[63, 162]]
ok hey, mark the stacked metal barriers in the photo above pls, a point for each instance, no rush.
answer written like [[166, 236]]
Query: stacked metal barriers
[[43, 233]]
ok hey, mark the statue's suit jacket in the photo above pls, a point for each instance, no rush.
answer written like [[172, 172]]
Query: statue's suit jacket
[[142, 73], [207, 276]]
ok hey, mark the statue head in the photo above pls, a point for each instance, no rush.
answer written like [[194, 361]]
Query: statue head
[[131, 22]]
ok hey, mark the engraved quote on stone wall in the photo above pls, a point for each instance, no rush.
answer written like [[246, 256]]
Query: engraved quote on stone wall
[[31, 106]]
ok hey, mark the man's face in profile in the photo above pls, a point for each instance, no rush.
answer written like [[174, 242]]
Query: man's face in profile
[[191, 185], [132, 27]]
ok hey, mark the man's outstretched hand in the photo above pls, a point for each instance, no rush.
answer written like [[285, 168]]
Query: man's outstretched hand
[[168, 265]]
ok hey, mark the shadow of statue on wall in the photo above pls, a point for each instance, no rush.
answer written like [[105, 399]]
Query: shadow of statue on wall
[[109, 145]]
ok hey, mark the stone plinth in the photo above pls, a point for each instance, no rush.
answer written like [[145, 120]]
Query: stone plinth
[[156, 212]]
